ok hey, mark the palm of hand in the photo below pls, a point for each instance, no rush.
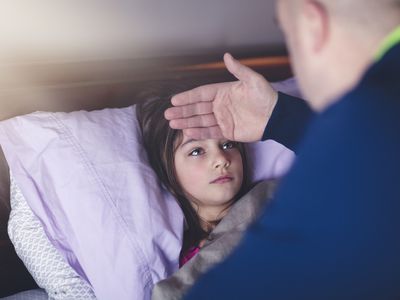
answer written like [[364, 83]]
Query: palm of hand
[[242, 110], [237, 111]]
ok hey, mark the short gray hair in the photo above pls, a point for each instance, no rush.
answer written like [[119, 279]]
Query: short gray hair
[[356, 9], [376, 16]]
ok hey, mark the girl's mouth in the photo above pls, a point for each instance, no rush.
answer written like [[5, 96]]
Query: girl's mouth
[[222, 179]]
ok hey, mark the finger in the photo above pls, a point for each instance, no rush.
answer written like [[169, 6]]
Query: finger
[[196, 121], [203, 93], [213, 132], [241, 72], [181, 112]]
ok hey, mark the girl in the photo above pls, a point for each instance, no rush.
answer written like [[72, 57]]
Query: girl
[[207, 177]]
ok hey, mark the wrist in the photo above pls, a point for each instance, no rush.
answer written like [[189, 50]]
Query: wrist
[[269, 109]]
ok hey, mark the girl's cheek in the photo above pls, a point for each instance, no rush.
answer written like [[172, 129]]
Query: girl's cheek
[[194, 169]]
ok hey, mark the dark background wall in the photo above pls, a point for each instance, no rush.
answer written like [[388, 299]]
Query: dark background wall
[[91, 29]]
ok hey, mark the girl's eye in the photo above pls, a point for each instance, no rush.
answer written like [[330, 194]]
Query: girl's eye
[[196, 152], [228, 145]]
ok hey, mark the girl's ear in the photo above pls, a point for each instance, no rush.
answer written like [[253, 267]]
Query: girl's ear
[[316, 25]]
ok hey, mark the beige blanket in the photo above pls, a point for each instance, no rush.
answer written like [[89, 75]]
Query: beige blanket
[[221, 242]]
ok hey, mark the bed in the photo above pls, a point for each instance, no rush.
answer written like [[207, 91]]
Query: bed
[[115, 85]]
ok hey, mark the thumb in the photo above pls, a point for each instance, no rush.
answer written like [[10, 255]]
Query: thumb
[[241, 72]]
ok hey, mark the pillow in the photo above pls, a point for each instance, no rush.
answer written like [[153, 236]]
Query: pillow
[[44, 262], [86, 177]]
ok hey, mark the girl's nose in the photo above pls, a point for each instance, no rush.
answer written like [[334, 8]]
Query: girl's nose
[[221, 160]]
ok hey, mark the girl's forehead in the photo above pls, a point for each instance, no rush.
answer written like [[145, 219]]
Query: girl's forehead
[[187, 140], [184, 138]]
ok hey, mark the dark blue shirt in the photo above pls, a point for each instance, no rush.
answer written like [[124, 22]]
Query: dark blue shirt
[[333, 230]]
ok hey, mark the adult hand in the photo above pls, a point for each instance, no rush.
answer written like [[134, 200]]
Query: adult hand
[[238, 110]]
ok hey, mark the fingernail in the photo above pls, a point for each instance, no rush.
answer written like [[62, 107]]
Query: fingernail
[[172, 124], [173, 100], [167, 114]]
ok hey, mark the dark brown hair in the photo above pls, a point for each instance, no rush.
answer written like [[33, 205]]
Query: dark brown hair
[[160, 142]]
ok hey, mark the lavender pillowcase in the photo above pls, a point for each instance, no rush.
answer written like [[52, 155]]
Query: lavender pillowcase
[[86, 177]]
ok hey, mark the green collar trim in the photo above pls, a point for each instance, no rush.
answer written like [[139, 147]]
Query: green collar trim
[[389, 42]]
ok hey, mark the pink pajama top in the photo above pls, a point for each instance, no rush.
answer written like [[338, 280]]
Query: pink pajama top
[[188, 255]]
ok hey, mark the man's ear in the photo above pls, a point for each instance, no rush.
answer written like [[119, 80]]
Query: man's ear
[[316, 23]]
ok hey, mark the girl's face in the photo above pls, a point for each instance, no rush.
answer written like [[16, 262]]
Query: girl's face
[[210, 173]]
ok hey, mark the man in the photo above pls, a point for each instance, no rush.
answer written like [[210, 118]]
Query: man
[[332, 231]]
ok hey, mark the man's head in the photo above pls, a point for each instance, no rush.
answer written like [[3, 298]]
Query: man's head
[[331, 43]]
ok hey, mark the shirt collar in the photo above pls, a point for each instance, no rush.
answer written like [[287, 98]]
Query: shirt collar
[[389, 42]]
